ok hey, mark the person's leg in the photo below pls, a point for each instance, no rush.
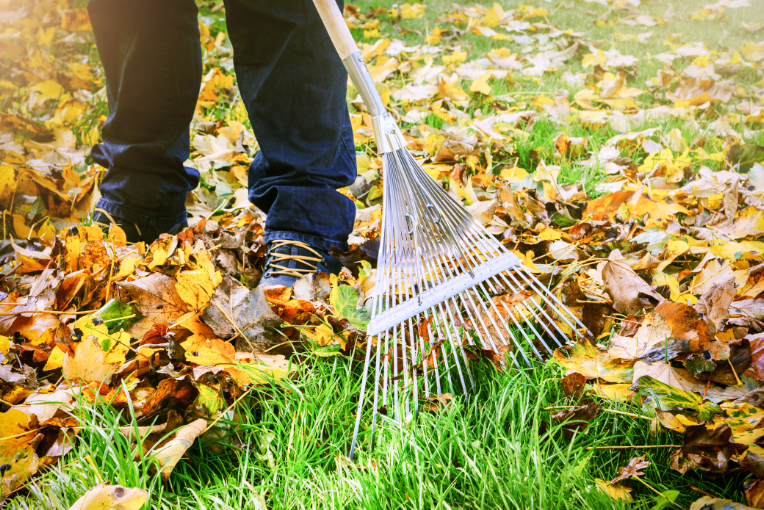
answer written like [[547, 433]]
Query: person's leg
[[294, 85], [151, 56]]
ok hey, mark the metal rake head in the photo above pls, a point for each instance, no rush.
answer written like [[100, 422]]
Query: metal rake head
[[445, 290]]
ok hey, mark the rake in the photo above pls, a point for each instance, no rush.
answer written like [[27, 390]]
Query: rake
[[446, 291]]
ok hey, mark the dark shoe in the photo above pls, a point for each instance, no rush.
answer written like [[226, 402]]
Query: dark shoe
[[134, 232], [288, 261]]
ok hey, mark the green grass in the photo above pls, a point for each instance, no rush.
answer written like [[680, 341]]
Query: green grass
[[487, 452]]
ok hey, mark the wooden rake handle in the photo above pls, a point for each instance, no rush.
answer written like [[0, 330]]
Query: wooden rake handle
[[337, 28]]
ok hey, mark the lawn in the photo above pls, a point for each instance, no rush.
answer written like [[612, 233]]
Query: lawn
[[285, 444]]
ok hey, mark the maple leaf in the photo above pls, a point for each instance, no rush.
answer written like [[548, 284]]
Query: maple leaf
[[633, 469]]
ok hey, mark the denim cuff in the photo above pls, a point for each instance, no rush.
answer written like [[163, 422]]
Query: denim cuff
[[143, 220], [316, 242]]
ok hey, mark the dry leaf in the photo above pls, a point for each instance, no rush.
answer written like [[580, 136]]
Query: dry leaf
[[169, 454], [116, 497]]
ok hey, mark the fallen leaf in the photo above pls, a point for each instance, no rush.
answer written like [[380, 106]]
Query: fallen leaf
[[88, 363], [116, 497], [715, 303], [632, 469], [649, 342], [706, 450], [157, 300], [629, 292], [593, 363], [170, 453], [576, 419]]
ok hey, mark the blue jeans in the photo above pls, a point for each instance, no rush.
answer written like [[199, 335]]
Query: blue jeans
[[292, 83]]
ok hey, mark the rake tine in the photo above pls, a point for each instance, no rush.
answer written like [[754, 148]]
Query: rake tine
[[543, 312], [525, 318], [532, 281]]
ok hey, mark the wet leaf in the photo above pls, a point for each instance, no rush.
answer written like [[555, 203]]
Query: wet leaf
[[706, 450]]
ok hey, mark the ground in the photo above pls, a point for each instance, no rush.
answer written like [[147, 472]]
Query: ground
[[681, 83]]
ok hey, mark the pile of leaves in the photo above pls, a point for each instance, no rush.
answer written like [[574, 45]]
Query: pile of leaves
[[653, 234]]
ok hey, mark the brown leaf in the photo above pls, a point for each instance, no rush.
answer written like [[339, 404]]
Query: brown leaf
[[707, 450], [593, 317], [711, 503], [436, 403], [608, 205], [715, 303], [157, 300], [170, 394], [235, 308], [685, 324], [650, 342], [632, 469], [629, 292], [573, 384], [754, 464], [757, 356], [754, 493], [576, 419]]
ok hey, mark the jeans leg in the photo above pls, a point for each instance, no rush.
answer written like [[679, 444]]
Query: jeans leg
[[293, 85], [152, 60]]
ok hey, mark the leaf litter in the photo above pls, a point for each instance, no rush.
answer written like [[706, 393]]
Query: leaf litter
[[660, 254]]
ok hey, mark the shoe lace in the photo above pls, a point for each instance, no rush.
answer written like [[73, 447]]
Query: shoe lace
[[276, 258]]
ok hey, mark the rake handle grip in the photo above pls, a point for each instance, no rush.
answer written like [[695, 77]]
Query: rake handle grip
[[337, 28]]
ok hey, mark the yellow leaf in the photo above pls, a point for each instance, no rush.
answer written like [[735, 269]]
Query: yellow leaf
[[456, 57], [674, 248], [622, 103], [117, 497], [20, 227], [195, 288], [451, 91], [513, 174], [56, 359], [46, 90], [469, 194], [616, 492], [45, 35], [702, 60], [433, 143], [733, 251], [169, 454], [594, 59], [88, 363], [481, 85], [492, 17], [584, 99], [208, 352], [7, 184], [372, 34], [753, 50], [549, 234], [412, 11], [435, 36]]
